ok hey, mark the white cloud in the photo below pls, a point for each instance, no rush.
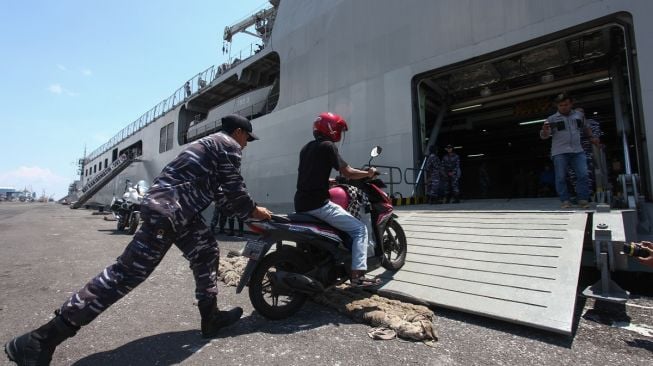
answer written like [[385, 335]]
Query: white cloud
[[62, 67], [58, 89], [37, 179], [55, 89], [87, 72]]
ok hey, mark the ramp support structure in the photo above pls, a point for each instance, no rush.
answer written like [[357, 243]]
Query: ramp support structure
[[604, 249]]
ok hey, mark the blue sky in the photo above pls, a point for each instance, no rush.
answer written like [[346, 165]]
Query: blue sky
[[74, 73]]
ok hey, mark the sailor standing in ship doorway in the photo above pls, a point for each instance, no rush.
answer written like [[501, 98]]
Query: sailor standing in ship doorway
[[207, 170], [451, 174], [432, 168]]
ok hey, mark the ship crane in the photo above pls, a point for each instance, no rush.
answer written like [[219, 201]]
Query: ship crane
[[262, 22]]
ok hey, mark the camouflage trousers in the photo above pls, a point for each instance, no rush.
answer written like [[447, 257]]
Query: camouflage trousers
[[451, 185], [139, 259], [434, 186]]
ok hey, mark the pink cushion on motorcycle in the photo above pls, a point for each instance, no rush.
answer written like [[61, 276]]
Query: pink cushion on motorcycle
[[339, 197]]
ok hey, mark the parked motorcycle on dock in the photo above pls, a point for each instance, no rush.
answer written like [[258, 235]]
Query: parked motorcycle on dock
[[127, 209], [280, 281]]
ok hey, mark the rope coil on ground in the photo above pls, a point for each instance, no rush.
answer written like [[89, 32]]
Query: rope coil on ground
[[389, 317]]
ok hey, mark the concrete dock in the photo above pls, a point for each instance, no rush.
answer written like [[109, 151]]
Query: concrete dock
[[48, 251]]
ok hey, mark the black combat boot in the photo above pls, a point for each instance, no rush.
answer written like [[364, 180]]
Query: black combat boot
[[213, 319], [36, 347]]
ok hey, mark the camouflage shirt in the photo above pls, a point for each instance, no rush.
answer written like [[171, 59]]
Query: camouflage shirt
[[451, 163], [208, 170]]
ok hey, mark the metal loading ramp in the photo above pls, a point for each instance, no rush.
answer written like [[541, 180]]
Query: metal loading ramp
[[518, 266]]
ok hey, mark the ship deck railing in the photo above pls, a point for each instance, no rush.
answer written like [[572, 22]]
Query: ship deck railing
[[191, 87]]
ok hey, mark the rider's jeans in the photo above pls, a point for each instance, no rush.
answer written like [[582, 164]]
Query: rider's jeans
[[337, 217]]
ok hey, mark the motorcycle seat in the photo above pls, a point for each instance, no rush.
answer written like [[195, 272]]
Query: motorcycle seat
[[300, 217], [305, 218]]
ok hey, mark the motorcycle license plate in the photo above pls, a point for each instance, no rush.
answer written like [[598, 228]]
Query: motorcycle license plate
[[254, 249]]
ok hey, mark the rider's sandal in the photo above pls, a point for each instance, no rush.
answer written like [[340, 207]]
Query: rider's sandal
[[363, 282]]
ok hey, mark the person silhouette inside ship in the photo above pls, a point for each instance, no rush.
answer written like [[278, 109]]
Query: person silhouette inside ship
[[207, 170]]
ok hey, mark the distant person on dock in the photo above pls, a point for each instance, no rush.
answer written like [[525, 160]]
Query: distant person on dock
[[207, 170]]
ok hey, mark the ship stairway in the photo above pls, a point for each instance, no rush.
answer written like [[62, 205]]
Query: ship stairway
[[102, 179], [517, 260]]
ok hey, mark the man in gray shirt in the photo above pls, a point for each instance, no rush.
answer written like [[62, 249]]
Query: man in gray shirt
[[565, 127]]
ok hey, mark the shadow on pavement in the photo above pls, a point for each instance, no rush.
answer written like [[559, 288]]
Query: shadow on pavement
[[311, 316], [174, 347], [160, 349], [641, 343]]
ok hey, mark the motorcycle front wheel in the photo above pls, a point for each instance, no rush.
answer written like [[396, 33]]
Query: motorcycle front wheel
[[269, 300], [394, 247], [133, 223], [120, 224]]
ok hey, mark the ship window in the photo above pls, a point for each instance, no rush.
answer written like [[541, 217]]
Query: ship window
[[165, 138], [94, 168], [106, 163], [100, 168]]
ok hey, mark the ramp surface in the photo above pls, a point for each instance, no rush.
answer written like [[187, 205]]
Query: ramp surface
[[518, 265]]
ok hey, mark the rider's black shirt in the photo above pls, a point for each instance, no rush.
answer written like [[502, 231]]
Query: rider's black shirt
[[316, 160]]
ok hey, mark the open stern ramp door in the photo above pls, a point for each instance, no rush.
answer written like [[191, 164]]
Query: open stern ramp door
[[518, 266]]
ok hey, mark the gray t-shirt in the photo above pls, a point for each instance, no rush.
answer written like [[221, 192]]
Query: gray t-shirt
[[566, 132]]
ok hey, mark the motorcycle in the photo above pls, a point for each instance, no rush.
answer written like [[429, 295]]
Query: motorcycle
[[127, 210], [280, 281]]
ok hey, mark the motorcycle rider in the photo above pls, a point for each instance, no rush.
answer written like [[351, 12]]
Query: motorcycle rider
[[207, 170], [316, 160]]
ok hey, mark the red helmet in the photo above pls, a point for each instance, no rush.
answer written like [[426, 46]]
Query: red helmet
[[330, 126]]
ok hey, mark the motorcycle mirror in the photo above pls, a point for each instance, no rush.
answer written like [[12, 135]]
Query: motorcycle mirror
[[376, 151]]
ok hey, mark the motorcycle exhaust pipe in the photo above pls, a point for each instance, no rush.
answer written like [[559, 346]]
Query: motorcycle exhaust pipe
[[296, 282]]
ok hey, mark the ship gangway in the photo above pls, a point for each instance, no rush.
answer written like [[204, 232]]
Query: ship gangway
[[102, 179]]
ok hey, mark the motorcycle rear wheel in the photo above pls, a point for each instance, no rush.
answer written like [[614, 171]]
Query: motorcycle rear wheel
[[267, 300], [395, 247]]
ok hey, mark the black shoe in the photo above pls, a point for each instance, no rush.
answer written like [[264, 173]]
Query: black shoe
[[36, 347], [231, 233], [221, 231], [213, 319]]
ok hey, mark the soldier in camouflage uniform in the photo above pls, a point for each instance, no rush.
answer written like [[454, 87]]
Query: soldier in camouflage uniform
[[587, 142], [451, 174], [432, 168], [207, 170]]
